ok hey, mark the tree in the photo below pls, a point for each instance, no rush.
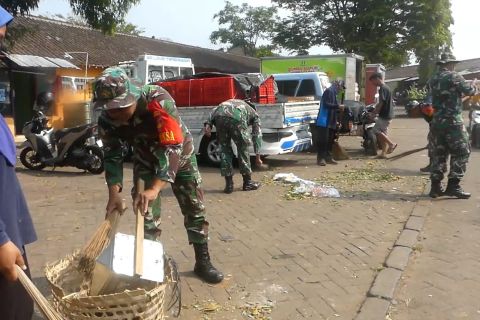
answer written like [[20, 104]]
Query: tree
[[128, 28], [383, 31], [434, 18], [245, 27], [105, 15]]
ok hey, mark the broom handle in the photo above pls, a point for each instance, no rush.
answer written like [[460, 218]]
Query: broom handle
[[45, 307], [138, 268]]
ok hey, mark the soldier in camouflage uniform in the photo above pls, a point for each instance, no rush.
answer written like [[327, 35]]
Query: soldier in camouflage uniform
[[147, 119], [448, 131], [232, 118]]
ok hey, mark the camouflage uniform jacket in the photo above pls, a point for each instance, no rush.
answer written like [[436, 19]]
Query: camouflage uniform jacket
[[244, 114], [161, 142], [447, 89]]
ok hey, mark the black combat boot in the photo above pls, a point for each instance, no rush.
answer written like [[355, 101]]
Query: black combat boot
[[249, 184], [436, 189], [228, 184], [426, 170], [203, 267], [454, 190]]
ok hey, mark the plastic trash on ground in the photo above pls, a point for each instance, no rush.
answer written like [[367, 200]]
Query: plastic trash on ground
[[307, 187]]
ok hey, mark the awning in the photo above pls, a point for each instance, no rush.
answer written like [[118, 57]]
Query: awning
[[23, 60]]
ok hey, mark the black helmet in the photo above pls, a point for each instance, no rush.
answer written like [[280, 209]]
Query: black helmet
[[45, 100]]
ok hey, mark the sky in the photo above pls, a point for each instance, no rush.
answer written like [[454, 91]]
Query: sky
[[191, 22]]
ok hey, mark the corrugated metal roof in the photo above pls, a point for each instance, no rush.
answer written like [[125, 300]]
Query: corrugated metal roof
[[24, 60], [51, 38]]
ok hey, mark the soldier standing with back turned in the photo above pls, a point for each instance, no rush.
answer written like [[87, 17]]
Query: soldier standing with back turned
[[448, 131], [232, 119]]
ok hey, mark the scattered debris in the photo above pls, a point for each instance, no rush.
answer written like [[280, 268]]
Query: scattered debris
[[305, 188], [257, 311]]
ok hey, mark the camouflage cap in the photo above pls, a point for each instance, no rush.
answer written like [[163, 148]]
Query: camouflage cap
[[446, 58], [113, 89]]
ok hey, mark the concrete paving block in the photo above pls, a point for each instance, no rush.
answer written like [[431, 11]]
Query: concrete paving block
[[398, 258], [373, 309], [408, 238], [415, 223], [420, 210], [385, 283]]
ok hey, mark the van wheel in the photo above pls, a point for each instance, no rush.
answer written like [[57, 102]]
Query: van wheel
[[210, 151]]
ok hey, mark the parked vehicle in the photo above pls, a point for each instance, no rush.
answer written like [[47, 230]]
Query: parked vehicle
[[347, 67], [284, 128], [77, 147], [284, 124], [150, 68], [367, 122], [302, 85], [474, 125]]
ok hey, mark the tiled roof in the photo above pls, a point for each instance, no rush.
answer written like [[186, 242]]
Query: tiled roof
[[52, 38], [464, 67]]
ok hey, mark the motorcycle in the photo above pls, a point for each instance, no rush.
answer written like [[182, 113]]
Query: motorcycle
[[367, 121], [77, 147]]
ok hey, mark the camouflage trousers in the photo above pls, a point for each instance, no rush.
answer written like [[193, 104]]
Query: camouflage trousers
[[228, 130], [187, 190], [453, 141]]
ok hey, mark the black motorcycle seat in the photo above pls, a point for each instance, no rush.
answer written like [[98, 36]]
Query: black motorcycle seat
[[63, 132]]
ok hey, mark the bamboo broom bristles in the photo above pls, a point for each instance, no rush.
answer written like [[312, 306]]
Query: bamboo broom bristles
[[99, 241], [45, 307]]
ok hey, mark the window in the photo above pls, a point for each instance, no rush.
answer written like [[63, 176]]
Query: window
[[171, 72], [154, 74], [186, 71], [287, 87], [307, 88]]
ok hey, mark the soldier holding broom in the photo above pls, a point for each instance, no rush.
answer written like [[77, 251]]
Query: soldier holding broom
[[146, 117]]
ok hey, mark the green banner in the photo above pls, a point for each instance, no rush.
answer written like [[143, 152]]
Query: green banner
[[335, 68]]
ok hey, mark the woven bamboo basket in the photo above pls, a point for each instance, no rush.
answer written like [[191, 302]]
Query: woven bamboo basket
[[68, 285]]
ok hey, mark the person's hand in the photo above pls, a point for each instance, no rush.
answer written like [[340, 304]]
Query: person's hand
[[142, 199], [208, 131], [258, 160], [115, 201], [10, 255]]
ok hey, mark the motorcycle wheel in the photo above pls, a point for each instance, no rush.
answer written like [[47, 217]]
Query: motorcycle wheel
[[371, 143], [28, 157], [96, 160]]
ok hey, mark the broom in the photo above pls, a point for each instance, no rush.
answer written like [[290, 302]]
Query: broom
[[99, 241], [406, 153], [46, 308]]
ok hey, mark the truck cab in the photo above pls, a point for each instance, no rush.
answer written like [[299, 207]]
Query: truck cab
[[302, 85], [152, 68]]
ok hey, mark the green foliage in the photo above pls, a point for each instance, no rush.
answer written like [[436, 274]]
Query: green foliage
[[385, 31], [128, 28], [104, 15], [430, 34], [19, 6], [415, 93], [244, 27]]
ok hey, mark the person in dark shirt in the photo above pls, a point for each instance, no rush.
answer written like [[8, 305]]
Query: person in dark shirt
[[16, 228], [385, 112]]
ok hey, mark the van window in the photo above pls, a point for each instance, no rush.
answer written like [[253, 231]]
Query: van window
[[287, 87], [307, 88]]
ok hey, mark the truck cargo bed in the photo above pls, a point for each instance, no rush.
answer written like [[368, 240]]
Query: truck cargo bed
[[274, 116]]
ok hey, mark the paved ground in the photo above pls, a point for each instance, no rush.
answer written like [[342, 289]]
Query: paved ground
[[283, 259], [442, 280]]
